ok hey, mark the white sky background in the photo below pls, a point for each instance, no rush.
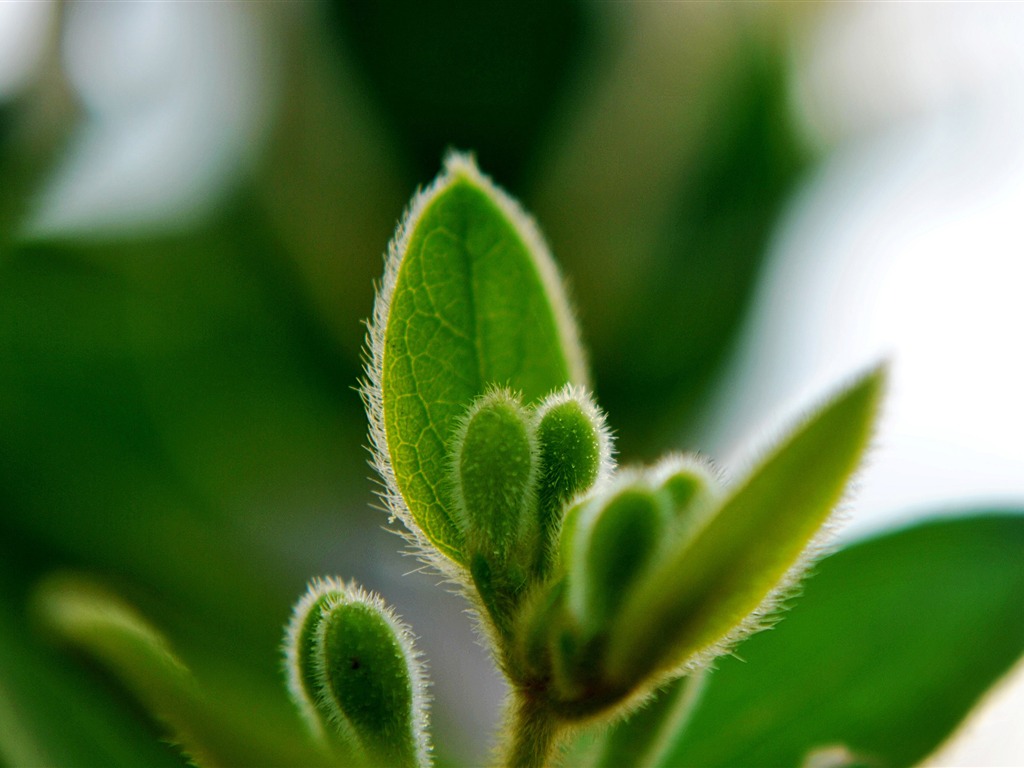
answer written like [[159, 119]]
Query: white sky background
[[174, 98], [908, 243], [23, 30]]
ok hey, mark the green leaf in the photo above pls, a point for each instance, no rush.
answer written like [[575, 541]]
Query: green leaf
[[470, 300], [891, 645], [53, 714], [84, 614], [708, 591], [676, 236], [81, 613], [52, 711]]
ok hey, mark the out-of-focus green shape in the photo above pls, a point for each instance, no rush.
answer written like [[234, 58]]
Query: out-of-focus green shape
[[54, 713], [892, 643], [80, 614], [659, 194], [486, 76], [170, 400], [470, 300], [32, 129], [86, 616], [709, 258], [330, 176], [710, 585], [169, 411], [613, 542], [643, 739]]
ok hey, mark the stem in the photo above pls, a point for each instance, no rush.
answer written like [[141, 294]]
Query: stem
[[533, 735], [646, 737]]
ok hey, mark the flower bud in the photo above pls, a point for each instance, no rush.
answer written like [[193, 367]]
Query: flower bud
[[613, 543], [494, 463], [355, 676], [715, 585], [690, 490], [575, 453], [495, 467]]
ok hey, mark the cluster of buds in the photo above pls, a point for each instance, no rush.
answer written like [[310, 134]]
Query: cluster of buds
[[594, 584], [597, 586], [514, 469], [600, 588]]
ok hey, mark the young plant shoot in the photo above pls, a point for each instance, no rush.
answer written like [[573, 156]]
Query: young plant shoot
[[605, 593], [594, 585]]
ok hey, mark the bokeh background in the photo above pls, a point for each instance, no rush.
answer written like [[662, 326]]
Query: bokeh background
[[750, 202]]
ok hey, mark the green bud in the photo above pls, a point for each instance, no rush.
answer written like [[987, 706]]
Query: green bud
[[575, 453], [300, 647], [537, 622], [690, 489], [494, 478], [714, 587], [500, 590], [495, 467], [567, 534], [355, 676], [613, 541]]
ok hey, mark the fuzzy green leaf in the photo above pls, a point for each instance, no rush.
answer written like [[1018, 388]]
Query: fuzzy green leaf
[[892, 643], [471, 299], [704, 592], [643, 739]]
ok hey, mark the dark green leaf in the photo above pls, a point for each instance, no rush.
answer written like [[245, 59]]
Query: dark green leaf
[[892, 643], [664, 240]]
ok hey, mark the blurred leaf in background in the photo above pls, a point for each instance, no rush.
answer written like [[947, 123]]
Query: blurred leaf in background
[[659, 191], [487, 78]]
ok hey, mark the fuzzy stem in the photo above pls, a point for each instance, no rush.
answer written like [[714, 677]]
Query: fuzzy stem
[[533, 734]]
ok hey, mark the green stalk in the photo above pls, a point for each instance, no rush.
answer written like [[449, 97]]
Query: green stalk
[[533, 734]]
